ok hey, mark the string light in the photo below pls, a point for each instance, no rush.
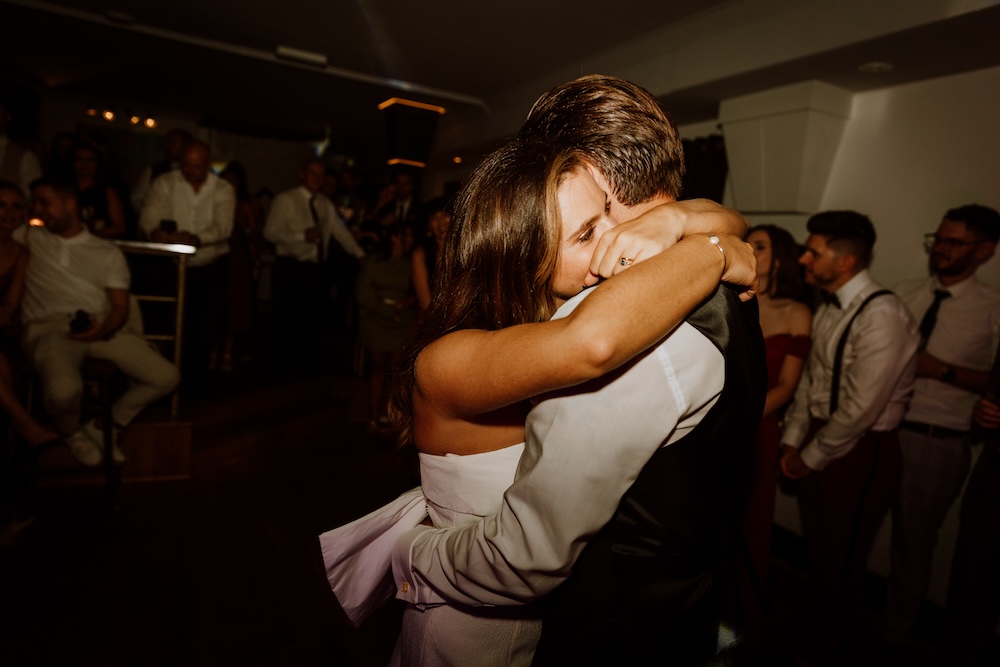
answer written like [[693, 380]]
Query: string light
[[110, 116]]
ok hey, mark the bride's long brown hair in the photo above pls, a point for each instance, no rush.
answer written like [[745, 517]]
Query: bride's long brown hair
[[496, 265]]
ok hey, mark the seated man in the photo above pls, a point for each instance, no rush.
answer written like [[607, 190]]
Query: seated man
[[72, 270]]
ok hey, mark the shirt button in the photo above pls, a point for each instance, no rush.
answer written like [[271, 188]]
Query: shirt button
[[406, 587]]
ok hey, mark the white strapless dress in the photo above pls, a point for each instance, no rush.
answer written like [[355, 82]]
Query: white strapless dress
[[454, 491]]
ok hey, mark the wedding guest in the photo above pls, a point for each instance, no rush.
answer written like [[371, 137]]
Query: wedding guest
[[173, 144], [785, 321], [959, 322], [18, 163], [841, 435], [424, 256], [386, 315], [71, 270], [60, 163], [100, 206], [244, 269], [193, 206], [13, 267]]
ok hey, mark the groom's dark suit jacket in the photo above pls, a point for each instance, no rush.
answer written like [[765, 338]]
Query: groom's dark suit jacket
[[648, 590]]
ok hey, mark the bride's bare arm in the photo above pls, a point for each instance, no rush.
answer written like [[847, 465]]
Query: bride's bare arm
[[470, 372]]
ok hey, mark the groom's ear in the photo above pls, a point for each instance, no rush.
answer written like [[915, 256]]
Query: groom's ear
[[618, 211], [602, 182]]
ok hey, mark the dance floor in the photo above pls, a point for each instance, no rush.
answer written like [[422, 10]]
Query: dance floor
[[223, 568]]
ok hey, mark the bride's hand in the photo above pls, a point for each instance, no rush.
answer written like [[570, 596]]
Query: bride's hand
[[741, 264], [659, 228]]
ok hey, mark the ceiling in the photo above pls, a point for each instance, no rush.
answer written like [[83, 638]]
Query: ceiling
[[215, 61]]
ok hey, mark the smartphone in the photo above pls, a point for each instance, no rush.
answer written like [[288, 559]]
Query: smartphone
[[80, 322]]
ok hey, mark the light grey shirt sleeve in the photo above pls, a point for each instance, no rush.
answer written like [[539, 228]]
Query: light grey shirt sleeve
[[583, 451]]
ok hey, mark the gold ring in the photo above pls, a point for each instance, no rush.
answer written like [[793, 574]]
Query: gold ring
[[625, 261]]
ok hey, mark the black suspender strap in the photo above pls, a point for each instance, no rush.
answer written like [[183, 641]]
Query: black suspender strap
[[838, 358]]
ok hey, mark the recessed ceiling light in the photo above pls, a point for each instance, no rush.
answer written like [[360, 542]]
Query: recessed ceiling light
[[876, 67]]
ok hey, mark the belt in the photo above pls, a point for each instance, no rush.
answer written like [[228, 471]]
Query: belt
[[933, 431]]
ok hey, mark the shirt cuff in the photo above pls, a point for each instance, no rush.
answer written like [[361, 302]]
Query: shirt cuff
[[793, 435], [812, 457], [407, 587]]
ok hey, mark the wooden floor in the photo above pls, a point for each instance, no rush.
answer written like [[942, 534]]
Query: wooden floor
[[221, 569], [224, 569]]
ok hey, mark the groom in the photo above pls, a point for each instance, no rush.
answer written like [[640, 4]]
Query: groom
[[640, 477]]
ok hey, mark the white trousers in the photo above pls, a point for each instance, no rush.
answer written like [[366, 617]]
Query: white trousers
[[57, 361]]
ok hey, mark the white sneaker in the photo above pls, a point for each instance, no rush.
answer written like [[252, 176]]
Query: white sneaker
[[97, 436], [84, 449]]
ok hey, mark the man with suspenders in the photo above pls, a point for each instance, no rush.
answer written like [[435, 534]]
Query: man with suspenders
[[840, 436]]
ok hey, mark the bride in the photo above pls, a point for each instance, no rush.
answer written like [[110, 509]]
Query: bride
[[530, 221]]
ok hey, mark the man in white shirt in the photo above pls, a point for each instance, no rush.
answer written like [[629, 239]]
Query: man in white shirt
[[17, 163], [173, 145], [647, 585], [72, 270], [300, 223], [959, 322], [840, 434], [191, 205]]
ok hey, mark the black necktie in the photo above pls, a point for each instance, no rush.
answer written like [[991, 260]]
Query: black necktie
[[830, 299], [315, 217], [930, 317]]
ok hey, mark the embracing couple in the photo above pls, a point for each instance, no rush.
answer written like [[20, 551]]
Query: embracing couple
[[585, 453]]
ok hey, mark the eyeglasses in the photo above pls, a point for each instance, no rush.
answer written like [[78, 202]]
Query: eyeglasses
[[932, 239]]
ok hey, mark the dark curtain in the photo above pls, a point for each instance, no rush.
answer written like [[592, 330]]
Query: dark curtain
[[705, 176]]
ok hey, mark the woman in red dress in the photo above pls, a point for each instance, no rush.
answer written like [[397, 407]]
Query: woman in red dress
[[785, 321]]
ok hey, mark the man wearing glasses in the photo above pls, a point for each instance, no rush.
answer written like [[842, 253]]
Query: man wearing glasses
[[959, 321]]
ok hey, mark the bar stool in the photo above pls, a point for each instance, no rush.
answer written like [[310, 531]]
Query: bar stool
[[100, 375]]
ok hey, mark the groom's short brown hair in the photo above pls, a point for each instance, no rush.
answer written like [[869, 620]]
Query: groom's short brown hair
[[619, 127]]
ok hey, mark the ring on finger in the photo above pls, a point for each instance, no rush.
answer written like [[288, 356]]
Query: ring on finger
[[625, 261]]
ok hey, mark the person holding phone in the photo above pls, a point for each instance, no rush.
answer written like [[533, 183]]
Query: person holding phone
[[73, 276], [201, 207]]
